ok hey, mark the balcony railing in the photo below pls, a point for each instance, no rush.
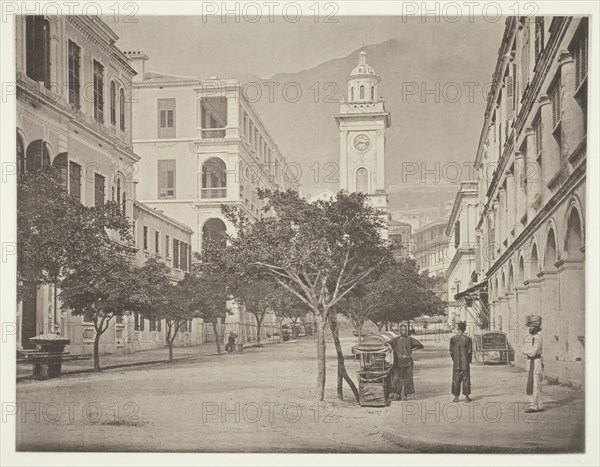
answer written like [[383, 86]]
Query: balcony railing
[[213, 133], [213, 193]]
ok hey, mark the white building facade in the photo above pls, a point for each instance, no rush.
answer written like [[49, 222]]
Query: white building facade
[[531, 163]]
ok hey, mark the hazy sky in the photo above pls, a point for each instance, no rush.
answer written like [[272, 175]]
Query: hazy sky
[[187, 45]]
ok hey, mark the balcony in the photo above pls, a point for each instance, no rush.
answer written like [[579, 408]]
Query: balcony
[[213, 193], [213, 133]]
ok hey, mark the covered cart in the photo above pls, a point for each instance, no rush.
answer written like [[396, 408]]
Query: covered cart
[[375, 363]]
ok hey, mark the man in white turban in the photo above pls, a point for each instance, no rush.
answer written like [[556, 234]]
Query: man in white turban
[[532, 349]]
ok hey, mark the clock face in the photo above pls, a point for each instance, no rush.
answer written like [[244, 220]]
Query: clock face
[[362, 142]]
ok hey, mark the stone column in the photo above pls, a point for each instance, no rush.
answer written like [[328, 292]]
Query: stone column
[[510, 206], [343, 160], [533, 174], [502, 221], [511, 320], [500, 315], [534, 300], [233, 115], [550, 321], [550, 148], [571, 288], [380, 184], [520, 192], [518, 331], [572, 119]]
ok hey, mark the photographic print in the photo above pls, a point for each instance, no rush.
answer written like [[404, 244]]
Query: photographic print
[[298, 228]]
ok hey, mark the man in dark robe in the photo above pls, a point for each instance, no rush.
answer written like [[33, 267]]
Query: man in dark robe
[[402, 368], [461, 351]]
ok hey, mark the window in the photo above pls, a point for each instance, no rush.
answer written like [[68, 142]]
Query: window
[[166, 118], [74, 54], [98, 190], [138, 324], [166, 179], [352, 94], [580, 54], [539, 37], [176, 253], [362, 92], [124, 203], [122, 109], [113, 103], [362, 180], [556, 104], [183, 256], [98, 92], [152, 325], [157, 242], [38, 49], [372, 93], [167, 246], [61, 162], [145, 238], [75, 180]]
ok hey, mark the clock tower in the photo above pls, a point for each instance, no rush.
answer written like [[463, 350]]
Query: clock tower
[[362, 121]]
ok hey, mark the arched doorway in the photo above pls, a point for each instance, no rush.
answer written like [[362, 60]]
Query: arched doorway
[[37, 156], [213, 232], [574, 237]]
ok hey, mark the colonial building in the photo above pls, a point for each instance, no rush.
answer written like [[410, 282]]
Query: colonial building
[[74, 112], [463, 252], [362, 121], [531, 165], [202, 145], [430, 247], [399, 236]]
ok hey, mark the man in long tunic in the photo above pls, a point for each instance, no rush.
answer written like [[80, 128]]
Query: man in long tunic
[[402, 368], [532, 349], [461, 351]]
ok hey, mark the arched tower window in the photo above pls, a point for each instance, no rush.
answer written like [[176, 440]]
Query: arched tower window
[[362, 92], [362, 180], [214, 178], [372, 93], [352, 93]]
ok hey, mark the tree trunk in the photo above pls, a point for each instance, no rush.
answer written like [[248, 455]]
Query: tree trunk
[[170, 344], [321, 323], [342, 374], [386, 326], [97, 350], [379, 326], [258, 329], [217, 335]]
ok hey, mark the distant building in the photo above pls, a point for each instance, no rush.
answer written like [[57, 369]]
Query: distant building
[[461, 273], [430, 247], [362, 121], [324, 194], [399, 236], [202, 146]]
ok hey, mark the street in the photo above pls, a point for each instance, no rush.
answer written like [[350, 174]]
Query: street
[[263, 401], [259, 401]]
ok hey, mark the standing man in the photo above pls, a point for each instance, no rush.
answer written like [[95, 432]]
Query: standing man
[[461, 351], [532, 349], [402, 368]]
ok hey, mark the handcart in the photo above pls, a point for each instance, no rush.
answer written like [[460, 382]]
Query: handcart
[[375, 365]]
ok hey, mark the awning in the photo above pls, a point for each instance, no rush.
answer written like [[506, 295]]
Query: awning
[[475, 290], [375, 342]]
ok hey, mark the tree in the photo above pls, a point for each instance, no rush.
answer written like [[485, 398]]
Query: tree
[[402, 294], [317, 251], [55, 231], [258, 297], [205, 287], [103, 286]]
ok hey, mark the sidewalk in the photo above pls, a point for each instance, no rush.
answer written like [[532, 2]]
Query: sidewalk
[[144, 357], [495, 422]]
